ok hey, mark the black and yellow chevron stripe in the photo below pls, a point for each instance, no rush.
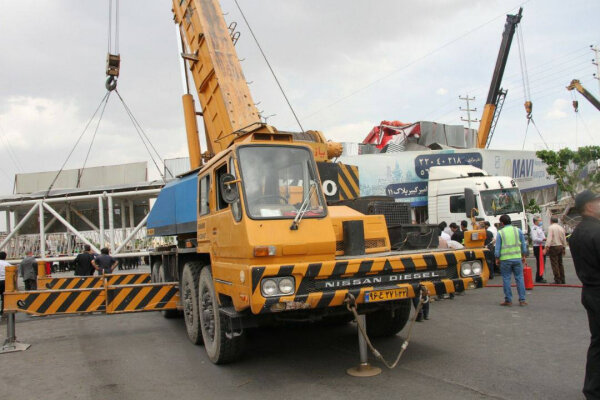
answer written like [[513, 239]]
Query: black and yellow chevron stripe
[[308, 275], [147, 297], [84, 282], [348, 182], [58, 301]]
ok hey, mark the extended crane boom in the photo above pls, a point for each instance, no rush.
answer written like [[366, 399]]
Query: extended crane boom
[[220, 84], [495, 91], [575, 84]]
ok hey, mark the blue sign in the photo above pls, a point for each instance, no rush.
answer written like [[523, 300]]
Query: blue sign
[[426, 161], [404, 190]]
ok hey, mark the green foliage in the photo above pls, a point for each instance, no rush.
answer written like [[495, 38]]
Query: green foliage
[[533, 207], [571, 169]]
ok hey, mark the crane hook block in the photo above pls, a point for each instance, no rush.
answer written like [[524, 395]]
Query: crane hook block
[[528, 108], [111, 83], [113, 64]]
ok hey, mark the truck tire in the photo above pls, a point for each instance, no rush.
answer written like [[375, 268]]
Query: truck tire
[[154, 272], [219, 348], [162, 278], [188, 293], [386, 322]]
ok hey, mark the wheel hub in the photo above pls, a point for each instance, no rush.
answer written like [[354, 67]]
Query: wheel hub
[[208, 320]]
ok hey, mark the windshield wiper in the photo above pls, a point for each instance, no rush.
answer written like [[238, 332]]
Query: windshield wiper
[[303, 208]]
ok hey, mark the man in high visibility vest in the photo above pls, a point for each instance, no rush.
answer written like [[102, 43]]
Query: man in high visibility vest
[[511, 250]]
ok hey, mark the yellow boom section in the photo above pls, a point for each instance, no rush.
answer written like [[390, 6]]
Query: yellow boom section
[[227, 105]]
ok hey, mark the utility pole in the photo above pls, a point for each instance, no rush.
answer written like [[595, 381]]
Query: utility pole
[[596, 62], [468, 110]]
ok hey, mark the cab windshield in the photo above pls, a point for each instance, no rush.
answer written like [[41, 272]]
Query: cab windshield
[[277, 181], [501, 201]]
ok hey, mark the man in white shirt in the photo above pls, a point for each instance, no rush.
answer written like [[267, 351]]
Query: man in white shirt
[[538, 238], [444, 235], [3, 265]]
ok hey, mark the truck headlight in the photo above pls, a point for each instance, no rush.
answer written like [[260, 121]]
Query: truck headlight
[[476, 267], [286, 285], [466, 269], [269, 287], [471, 268], [280, 286]]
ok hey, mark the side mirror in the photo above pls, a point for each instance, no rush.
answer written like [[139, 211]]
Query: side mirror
[[228, 188], [470, 203]]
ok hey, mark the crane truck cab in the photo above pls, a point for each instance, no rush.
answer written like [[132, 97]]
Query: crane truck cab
[[454, 191]]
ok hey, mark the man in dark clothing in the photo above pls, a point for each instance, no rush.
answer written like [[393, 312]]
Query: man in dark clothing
[[83, 262], [457, 234], [28, 270], [104, 263], [585, 249]]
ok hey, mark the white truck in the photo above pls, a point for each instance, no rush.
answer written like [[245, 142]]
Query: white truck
[[454, 191]]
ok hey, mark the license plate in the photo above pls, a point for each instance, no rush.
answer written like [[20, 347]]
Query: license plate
[[385, 295]]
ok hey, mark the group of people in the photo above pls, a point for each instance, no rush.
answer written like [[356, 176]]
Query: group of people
[[88, 262], [553, 246]]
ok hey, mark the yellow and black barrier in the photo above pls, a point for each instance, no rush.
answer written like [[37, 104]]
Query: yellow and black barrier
[[107, 295], [85, 282]]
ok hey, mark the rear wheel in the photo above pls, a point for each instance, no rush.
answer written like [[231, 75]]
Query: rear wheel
[[388, 322], [221, 346], [162, 277], [189, 299], [154, 272]]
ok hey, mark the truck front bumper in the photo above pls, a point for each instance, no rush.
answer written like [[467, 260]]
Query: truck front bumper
[[326, 284]]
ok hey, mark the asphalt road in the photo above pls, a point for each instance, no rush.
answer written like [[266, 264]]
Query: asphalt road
[[471, 348]]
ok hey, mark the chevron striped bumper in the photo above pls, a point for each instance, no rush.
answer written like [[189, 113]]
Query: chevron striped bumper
[[320, 285]]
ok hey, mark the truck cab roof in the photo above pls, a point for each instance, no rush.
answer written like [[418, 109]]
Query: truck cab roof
[[455, 172]]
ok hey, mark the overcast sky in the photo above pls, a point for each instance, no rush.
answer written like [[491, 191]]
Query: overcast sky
[[346, 65]]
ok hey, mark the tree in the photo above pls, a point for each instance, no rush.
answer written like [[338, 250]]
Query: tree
[[573, 170], [533, 207]]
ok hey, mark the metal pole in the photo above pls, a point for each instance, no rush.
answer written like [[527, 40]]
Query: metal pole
[[11, 344], [132, 234], [131, 215], [363, 369], [111, 222], [70, 227], [19, 225], [81, 198], [123, 219], [101, 220], [42, 230]]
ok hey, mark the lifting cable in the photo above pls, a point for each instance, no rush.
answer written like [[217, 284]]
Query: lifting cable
[[526, 88], [142, 135], [269, 65], [80, 173], [104, 100]]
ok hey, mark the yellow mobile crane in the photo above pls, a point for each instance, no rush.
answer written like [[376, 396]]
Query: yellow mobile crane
[[576, 85], [256, 240]]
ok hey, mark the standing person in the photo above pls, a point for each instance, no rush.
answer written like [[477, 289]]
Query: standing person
[[3, 265], [457, 234], [28, 270], [489, 239], [464, 226], [555, 248], [442, 226], [585, 249], [538, 239], [83, 262], [104, 263], [491, 228], [511, 250], [492, 246]]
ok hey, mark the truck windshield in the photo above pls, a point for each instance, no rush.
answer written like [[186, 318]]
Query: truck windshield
[[277, 180], [501, 201]]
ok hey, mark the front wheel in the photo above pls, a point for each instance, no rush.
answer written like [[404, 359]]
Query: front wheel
[[388, 322], [221, 346]]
